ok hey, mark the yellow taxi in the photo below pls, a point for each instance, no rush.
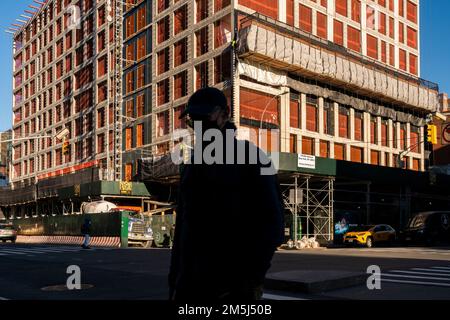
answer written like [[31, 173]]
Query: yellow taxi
[[370, 235]]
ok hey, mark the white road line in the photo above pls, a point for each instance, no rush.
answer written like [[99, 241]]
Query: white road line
[[415, 277], [27, 250], [443, 268], [11, 252], [279, 297], [431, 270], [419, 272], [418, 282]]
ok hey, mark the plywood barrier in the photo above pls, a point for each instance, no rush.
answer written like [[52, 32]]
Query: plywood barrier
[[109, 242]]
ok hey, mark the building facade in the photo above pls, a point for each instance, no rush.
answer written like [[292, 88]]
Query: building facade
[[334, 79]]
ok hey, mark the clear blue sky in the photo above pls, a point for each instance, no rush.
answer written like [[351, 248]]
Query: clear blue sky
[[435, 47]]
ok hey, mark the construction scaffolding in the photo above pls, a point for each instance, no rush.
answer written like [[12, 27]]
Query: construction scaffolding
[[310, 201]]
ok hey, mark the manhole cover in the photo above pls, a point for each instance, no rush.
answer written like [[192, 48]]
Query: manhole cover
[[63, 287]]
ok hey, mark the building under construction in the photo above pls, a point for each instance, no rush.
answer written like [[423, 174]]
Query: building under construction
[[335, 83]]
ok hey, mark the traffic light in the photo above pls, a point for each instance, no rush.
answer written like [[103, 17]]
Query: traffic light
[[432, 134], [66, 148]]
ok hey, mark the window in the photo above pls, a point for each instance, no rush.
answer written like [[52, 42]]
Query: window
[[356, 154], [180, 85], [305, 18], [139, 135], [413, 64], [308, 146], [411, 11], [414, 139], [294, 111], [141, 48], [322, 25], [401, 32], [141, 16], [140, 105], [373, 130], [344, 118], [266, 7], [324, 149], [222, 32], [384, 132], [163, 61], [130, 26], [338, 32], [201, 38], [140, 77], [180, 52], [356, 11], [339, 151], [293, 143], [382, 23], [328, 117], [222, 67], [412, 37], [179, 123], [311, 114], [128, 138], [372, 47], [354, 39], [180, 20], [101, 143], [341, 7], [252, 105], [402, 59], [163, 29], [162, 124], [201, 75], [221, 4], [163, 91], [374, 157], [359, 128], [370, 18], [201, 9]]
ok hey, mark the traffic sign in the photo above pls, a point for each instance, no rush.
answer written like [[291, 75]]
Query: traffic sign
[[446, 134]]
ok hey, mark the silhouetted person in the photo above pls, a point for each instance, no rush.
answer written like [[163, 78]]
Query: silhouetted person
[[86, 231], [229, 219]]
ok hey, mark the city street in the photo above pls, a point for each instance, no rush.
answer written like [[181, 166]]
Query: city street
[[33, 271]]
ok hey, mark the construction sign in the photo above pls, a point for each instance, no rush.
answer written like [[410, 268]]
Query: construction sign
[[446, 134]]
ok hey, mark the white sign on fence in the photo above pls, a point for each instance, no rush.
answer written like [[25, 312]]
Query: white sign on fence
[[306, 161]]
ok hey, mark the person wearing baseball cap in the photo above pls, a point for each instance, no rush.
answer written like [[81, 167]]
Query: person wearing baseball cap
[[229, 219]]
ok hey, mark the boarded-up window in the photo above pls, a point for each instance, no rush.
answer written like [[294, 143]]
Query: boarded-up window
[[359, 133], [180, 20], [387, 158], [373, 131], [128, 138], [221, 4], [416, 164], [372, 47], [324, 149], [391, 55], [163, 29], [338, 32], [265, 7], [412, 37], [311, 117], [384, 132], [339, 151], [356, 154], [341, 7], [290, 12], [201, 75], [344, 116], [130, 25], [413, 63], [163, 61], [308, 146], [414, 139], [322, 25], [180, 85], [253, 104], [139, 135], [180, 52], [402, 139], [294, 110], [293, 143], [101, 66], [402, 59], [411, 12], [128, 172], [382, 23], [401, 32], [201, 38], [163, 91], [328, 117], [141, 16], [129, 79], [140, 105], [141, 47], [391, 27], [202, 9], [354, 39], [356, 11], [305, 18], [383, 51], [374, 157]]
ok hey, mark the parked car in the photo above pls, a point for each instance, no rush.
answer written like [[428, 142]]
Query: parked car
[[8, 233], [370, 235], [427, 228]]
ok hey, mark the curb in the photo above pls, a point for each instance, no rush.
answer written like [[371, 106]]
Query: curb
[[276, 281]]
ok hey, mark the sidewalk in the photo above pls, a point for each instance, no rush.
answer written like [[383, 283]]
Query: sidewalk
[[313, 281]]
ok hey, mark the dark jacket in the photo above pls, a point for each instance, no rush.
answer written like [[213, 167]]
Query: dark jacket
[[229, 223]]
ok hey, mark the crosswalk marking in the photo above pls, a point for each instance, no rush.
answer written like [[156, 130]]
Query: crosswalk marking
[[419, 272], [413, 277], [32, 251], [437, 276]]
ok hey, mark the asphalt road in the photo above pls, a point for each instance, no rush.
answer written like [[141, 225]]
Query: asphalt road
[[137, 274]]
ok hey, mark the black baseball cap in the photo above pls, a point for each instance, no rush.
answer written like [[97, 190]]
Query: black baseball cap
[[204, 101]]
